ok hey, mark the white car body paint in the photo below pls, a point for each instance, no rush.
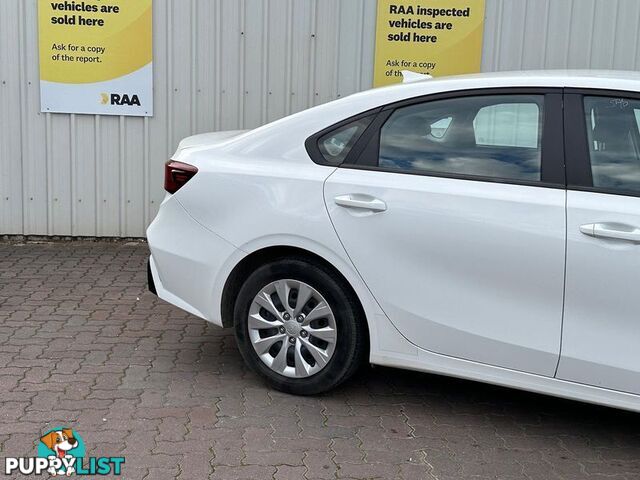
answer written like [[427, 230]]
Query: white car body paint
[[458, 263], [260, 189], [602, 303]]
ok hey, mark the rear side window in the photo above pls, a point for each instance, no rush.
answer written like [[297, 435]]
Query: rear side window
[[493, 136], [614, 142], [336, 145]]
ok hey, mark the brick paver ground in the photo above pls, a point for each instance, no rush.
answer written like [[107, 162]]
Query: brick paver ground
[[83, 343]]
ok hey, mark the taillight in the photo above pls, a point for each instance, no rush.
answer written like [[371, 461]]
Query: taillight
[[177, 174]]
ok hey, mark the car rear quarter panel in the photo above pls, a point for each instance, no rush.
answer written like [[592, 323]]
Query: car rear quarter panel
[[256, 203]]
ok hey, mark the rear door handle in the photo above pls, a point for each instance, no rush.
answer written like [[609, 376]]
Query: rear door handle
[[360, 201], [615, 231]]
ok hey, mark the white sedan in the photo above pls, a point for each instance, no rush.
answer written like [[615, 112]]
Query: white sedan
[[485, 227]]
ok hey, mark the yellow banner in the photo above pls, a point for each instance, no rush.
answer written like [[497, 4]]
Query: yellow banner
[[96, 56], [438, 37]]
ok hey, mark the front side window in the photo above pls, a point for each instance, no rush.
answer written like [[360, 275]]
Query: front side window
[[508, 125], [614, 142], [439, 127], [487, 136]]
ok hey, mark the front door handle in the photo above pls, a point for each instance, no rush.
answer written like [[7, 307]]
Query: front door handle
[[364, 202], [616, 231]]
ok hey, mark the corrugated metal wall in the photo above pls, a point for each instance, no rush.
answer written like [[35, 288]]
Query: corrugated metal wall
[[227, 64]]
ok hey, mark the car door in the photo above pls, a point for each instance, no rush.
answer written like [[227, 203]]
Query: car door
[[452, 210], [601, 333]]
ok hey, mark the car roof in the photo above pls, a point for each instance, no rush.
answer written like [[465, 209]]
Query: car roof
[[289, 133], [559, 77], [593, 79]]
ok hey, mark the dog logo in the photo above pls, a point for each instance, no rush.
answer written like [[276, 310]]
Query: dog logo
[[62, 444]]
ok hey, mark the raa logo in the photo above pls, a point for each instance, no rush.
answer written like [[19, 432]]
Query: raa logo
[[61, 451], [119, 99]]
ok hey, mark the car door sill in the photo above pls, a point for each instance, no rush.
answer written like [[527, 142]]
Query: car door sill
[[430, 362]]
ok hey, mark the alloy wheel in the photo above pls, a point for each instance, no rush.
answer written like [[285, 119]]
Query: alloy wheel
[[292, 328]]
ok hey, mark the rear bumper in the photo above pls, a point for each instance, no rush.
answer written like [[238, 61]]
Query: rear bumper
[[187, 263]]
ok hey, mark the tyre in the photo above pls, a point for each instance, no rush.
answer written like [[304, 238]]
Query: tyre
[[298, 326]]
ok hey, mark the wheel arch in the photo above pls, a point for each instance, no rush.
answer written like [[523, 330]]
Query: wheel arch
[[255, 259]]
